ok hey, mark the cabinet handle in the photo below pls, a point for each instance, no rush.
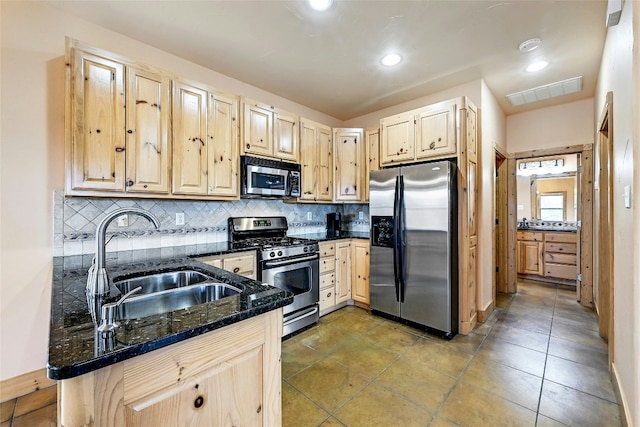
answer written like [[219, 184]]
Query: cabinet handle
[[432, 146], [235, 270], [248, 146], [119, 149], [129, 183]]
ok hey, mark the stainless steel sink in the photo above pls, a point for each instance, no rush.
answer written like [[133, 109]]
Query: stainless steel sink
[[177, 298], [161, 281]]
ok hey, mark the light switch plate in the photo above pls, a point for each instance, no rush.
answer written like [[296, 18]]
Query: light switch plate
[[123, 221], [360, 215], [309, 216]]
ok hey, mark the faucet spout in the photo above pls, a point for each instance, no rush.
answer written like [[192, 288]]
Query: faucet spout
[[98, 282]]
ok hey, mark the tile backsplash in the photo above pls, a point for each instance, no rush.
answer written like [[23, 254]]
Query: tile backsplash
[[76, 218]]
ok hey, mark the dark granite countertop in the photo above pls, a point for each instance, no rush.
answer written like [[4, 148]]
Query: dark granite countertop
[[76, 348], [322, 237]]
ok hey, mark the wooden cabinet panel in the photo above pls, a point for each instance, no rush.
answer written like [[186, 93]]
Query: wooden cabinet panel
[[530, 258], [222, 395], [189, 136], [534, 236], [258, 130], [327, 264], [343, 272], [316, 161], [348, 166], [242, 263], [327, 280], [285, 137], [98, 121], [147, 137], [566, 248], [327, 298], [360, 267], [560, 271], [559, 258], [436, 129], [398, 139], [560, 237], [372, 145], [327, 250], [325, 164], [222, 145]]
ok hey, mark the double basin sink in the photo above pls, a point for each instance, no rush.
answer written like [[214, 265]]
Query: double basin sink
[[169, 291]]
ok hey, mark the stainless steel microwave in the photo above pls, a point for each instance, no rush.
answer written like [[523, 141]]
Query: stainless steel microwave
[[269, 178]]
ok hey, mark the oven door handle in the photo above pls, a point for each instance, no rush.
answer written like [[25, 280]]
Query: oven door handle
[[290, 261], [310, 313]]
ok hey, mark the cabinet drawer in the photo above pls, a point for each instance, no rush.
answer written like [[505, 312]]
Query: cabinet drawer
[[214, 261], [535, 236], [327, 249], [244, 265], [565, 248], [326, 280], [560, 271], [559, 258], [327, 298], [327, 264], [560, 237]]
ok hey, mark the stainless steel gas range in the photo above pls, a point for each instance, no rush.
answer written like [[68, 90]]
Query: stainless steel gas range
[[285, 262]]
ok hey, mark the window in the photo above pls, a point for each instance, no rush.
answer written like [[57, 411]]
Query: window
[[552, 207]]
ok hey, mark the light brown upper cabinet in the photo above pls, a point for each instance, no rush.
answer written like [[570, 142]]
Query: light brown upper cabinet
[[269, 132], [422, 134], [147, 137], [372, 139], [316, 161], [96, 147], [350, 164], [173, 139], [205, 160]]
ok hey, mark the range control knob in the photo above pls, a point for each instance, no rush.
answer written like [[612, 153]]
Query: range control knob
[[306, 248], [272, 254], [279, 253]]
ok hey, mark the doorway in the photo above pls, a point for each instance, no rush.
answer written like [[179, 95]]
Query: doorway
[[582, 199]]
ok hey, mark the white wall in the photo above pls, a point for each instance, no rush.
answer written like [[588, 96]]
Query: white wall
[[493, 134], [617, 75], [551, 127], [32, 158]]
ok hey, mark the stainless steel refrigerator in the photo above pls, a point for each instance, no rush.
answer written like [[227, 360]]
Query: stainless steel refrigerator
[[413, 276]]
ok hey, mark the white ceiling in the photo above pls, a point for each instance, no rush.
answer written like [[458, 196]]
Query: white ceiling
[[329, 61]]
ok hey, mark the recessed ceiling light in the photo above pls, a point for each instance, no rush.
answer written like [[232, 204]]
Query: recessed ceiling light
[[320, 4], [536, 66], [391, 59], [529, 45]]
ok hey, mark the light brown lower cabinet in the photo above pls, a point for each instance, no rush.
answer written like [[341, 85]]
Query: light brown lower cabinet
[[242, 263], [227, 377], [360, 271], [547, 255]]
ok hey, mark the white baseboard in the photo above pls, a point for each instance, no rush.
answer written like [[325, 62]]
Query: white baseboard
[[622, 398]]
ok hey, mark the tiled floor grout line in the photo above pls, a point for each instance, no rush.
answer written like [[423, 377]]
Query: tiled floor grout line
[[546, 356]]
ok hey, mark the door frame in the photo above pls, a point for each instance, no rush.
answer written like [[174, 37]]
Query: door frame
[[603, 224], [585, 286]]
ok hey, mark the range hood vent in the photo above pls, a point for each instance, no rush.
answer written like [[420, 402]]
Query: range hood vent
[[551, 90]]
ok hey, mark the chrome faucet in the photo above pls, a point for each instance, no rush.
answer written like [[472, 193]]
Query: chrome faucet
[[98, 281]]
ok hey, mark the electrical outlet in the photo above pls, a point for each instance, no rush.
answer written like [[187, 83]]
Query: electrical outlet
[[123, 221], [360, 215], [180, 218], [309, 216]]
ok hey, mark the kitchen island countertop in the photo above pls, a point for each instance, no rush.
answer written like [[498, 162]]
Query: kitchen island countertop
[[75, 345]]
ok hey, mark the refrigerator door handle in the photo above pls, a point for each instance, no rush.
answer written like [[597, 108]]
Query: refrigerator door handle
[[396, 240], [401, 240]]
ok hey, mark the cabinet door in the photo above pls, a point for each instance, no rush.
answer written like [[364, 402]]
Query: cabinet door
[[98, 144], [222, 145], [436, 129], [242, 264], [360, 267], [308, 159], [398, 139], [147, 135], [530, 258], [324, 188], [189, 140], [224, 394], [372, 139], [348, 167], [285, 137], [343, 272], [257, 137]]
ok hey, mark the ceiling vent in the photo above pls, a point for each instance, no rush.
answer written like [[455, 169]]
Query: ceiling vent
[[551, 90]]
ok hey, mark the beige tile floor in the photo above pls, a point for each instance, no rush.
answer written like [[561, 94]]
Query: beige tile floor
[[537, 361]]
